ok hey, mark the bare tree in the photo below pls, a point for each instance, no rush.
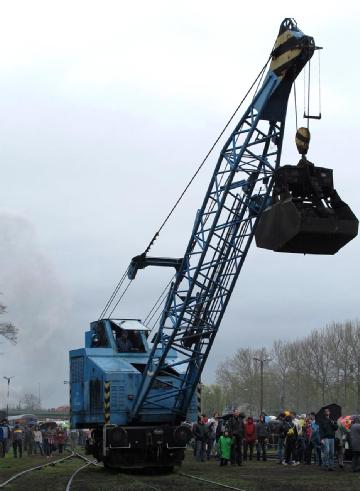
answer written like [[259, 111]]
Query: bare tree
[[30, 402], [355, 363], [8, 330], [281, 368], [322, 367], [212, 399]]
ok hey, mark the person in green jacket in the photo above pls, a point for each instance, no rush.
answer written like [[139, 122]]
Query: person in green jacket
[[224, 448]]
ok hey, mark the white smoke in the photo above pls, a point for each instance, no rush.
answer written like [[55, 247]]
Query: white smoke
[[38, 305]]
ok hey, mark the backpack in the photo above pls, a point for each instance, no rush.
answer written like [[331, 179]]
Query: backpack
[[291, 430]]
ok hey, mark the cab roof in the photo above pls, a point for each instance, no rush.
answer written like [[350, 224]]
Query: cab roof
[[130, 324]]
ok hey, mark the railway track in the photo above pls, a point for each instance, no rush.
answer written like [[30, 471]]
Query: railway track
[[130, 479], [37, 467], [47, 464], [210, 482], [143, 484]]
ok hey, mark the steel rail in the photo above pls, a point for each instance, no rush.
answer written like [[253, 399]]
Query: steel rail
[[96, 464], [19, 474], [69, 483], [210, 482]]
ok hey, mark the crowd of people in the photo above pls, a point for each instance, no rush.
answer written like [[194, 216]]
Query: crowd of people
[[298, 440], [233, 439], [45, 440]]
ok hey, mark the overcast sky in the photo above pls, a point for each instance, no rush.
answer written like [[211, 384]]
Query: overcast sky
[[106, 109]]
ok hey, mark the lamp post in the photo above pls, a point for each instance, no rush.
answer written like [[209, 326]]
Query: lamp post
[[261, 361], [8, 394]]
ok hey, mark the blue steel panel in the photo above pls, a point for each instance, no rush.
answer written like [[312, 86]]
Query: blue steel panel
[[117, 397], [77, 369]]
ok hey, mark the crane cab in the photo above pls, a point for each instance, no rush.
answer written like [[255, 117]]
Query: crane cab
[[123, 336], [307, 215], [104, 379]]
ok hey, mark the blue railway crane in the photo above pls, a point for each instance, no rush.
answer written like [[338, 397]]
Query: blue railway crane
[[136, 395]]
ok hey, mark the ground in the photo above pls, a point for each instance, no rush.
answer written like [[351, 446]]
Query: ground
[[253, 476]]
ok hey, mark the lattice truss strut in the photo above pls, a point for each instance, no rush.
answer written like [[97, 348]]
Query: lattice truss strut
[[222, 234]]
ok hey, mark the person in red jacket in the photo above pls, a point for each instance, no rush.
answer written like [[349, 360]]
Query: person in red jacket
[[249, 438]]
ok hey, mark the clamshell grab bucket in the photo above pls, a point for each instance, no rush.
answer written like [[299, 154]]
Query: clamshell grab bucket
[[307, 215]]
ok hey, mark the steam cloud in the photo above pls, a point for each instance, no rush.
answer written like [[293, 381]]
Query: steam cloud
[[38, 305]]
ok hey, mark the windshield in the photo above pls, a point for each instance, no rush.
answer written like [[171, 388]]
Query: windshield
[[128, 341]]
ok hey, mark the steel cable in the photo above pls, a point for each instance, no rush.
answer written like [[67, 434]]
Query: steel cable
[[112, 297], [205, 158], [117, 288]]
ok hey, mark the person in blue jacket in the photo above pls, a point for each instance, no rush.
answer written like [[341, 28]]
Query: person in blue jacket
[[4, 437]]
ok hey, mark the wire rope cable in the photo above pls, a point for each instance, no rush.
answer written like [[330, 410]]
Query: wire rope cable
[[308, 96], [121, 297], [296, 110], [113, 295], [166, 219], [205, 159], [158, 303]]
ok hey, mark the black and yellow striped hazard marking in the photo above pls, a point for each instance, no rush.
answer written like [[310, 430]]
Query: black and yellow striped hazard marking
[[107, 402], [198, 399], [285, 50]]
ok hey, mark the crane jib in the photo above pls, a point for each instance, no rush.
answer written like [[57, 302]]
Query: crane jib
[[238, 192]]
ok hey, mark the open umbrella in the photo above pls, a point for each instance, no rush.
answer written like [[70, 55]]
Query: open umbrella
[[345, 422], [335, 412], [48, 425]]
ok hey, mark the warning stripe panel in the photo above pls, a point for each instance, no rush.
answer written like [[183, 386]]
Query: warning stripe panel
[[285, 51], [107, 402]]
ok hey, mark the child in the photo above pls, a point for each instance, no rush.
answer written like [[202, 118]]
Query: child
[[224, 448]]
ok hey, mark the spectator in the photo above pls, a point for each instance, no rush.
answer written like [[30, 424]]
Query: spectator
[[301, 439], [355, 445], [66, 437], [281, 438], [290, 434], [60, 440], [236, 431], [327, 428], [201, 435], [340, 439], [262, 434], [73, 439], [4, 437], [312, 440], [219, 431], [45, 442], [38, 441], [28, 440], [49, 442], [212, 426], [249, 438], [224, 446], [17, 437]]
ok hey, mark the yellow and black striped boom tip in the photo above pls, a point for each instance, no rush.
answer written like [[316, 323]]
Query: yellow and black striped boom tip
[[289, 45]]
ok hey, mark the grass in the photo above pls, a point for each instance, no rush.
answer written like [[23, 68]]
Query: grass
[[252, 476]]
